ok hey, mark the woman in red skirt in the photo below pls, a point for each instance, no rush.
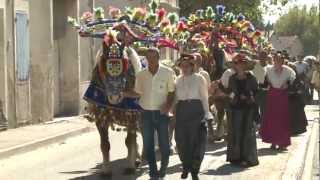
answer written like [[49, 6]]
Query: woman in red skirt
[[275, 127]]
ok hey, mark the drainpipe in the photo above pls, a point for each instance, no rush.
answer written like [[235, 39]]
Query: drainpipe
[[11, 63], [3, 120]]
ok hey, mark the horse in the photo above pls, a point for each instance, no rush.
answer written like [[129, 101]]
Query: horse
[[218, 99], [107, 108]]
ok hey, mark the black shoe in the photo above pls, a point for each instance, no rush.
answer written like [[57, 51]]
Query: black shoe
[[282, 148], [184, 175], [236, 163], [273, 147], [195, 176], [154, 176], [162, 172], [244, 164]]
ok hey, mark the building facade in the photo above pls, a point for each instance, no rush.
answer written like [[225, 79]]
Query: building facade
[[51, 66], [291, 44]]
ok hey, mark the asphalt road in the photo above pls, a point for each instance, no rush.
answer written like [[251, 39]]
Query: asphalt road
[[79, 158]]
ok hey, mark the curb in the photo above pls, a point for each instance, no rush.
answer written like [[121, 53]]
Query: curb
[[30, 146], [295, 164], [308, 168]]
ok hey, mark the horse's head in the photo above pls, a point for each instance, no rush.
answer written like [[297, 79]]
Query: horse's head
[[215, 89], [116, 71]]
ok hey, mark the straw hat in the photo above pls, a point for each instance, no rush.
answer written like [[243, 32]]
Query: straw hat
[[185, 57]]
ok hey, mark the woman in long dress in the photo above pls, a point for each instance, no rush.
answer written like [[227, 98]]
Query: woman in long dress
[[243, 87], [192, 110], [275, 127], [297, 103]]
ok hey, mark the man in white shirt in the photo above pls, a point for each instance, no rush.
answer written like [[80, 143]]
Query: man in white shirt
[[301, 67], [315, 81], [226, 76], [155, 87], [259, 71], [198, 68]]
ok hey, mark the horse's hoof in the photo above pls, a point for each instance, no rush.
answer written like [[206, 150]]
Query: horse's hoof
[[129, 171], [171, 151]]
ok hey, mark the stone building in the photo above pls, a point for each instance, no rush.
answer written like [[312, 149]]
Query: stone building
[[51, 66], [292, 44]]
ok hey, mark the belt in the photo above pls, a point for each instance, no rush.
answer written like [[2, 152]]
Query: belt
[[189, 101]]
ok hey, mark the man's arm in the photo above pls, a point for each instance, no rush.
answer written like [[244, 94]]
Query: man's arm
[[171, 95], [131, 94], [170, 99]]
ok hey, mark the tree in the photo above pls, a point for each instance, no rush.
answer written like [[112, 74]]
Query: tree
[[305, 24], [248, 8]]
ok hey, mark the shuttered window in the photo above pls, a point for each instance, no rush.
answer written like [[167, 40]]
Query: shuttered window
[[22, 46]]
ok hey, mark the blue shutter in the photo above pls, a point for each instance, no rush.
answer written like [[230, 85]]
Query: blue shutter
[[22, 46]]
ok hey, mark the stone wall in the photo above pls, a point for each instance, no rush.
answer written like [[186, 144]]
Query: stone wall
[[41, 33], [3, 64], [60, 61], [67, 42]]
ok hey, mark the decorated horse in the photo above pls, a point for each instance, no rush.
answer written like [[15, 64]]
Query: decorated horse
[[114, 73], [117, 63]]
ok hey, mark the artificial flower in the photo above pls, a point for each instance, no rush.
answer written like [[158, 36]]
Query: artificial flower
[[153, 6], [220, 10], [114, 12], [99, 12], [86, 16], [139, 14], [161, 14]]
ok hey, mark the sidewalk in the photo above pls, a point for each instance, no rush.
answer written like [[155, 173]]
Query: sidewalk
[[24, 139]]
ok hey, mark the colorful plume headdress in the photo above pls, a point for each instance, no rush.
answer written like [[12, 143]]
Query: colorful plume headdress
[[154, 26]]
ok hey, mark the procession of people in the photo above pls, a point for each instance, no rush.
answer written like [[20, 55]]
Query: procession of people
[[228, 83], [264, 95]]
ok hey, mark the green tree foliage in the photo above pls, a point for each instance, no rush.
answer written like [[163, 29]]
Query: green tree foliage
[[249, 8], [305, 24]]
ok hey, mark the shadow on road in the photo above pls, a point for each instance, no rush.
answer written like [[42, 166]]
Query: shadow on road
[[267, 152], [118, 169], [215, 146], [224, 170]]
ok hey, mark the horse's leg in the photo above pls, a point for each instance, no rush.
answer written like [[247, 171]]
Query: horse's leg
[[105, 147], [221, 124], [210, 126], [210, 130], [143, 155], [132, 146], [172, 125]]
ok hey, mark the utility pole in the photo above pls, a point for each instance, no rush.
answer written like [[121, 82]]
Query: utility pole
[[11, 63]]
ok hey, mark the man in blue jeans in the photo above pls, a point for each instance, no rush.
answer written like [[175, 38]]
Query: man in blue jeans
[[155, 86]]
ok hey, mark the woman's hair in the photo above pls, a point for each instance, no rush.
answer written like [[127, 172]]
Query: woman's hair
[[153, 50], [190, 63]]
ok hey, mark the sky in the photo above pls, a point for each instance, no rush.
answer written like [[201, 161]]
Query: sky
[[309, 3]]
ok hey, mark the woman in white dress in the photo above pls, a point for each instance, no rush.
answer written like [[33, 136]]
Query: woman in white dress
[[192, 111]]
